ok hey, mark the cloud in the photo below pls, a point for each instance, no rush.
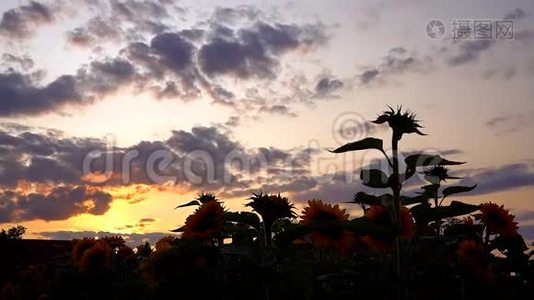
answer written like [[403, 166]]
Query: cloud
[[201, 158], [525, 216], [397, 61], [278, 109], [24, 62], [21, 22], [469, 51], [60, 203], [252, 52], [132, 239], [509, 123], [180, 64], [498, 179], [21, 96], [117, 21], [368, 76], [516, 14], [327, 87]]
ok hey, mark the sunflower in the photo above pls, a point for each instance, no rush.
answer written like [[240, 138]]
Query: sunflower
[[380, 216], [436, 174], [164, 243], [497, 219], [271, 207], [205, 223], [124, 252], [400, 122], [471, 252], [96, 258], [114, 241], [327, 218], [80, 246]]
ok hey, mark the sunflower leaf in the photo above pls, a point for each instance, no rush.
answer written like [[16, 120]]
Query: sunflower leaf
[[364, 226], [423, 160], [374, 178], [247, 218], [413, 200], [364, 198], [179, 229], [424, 213], [457, 189], [367, 143], [191, 203]]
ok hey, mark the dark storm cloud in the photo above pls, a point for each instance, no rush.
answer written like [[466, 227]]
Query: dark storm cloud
[[397, 61], [20, 22], [59, 204], [327, 87]]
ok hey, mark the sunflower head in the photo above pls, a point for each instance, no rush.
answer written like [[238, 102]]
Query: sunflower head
[[401, 122], [271, 207], [143, 250], [327, 231], [164, 243], [114, 241], [205, 223], [80, 246], [124, 252], [471, 253], [96, 258], [206, 197], [497, 219], [380, 216], [437, 174]]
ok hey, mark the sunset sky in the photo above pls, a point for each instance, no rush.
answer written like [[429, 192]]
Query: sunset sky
[[274, 83]]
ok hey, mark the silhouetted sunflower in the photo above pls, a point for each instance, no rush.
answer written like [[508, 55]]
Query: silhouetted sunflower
[[80, 246], [124, 252], [271, 207], [436, 174], [497, 219], [471, 252], [205, 223], [114, 241], [380, 216], [326, 219], [96, 258], [400, 122], [164, 243]]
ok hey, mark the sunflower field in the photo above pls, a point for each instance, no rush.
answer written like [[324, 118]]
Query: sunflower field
[[423, 246]]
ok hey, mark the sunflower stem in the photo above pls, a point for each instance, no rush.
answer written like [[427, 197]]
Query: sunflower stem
[[396, 187], [268, 231]]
